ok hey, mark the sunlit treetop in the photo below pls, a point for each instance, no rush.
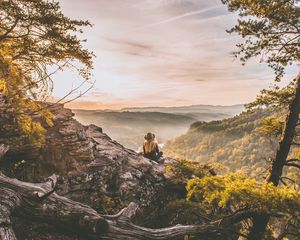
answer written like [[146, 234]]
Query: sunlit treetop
[[35, 34], [271, 29], [238, 190]]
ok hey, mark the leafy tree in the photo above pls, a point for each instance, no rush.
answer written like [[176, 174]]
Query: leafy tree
[[238, 143], [271, 29], [240, 191], [247, 197], [182, 170], [36, 36]]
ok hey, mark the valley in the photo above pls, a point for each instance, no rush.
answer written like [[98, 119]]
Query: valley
[[128, 126]]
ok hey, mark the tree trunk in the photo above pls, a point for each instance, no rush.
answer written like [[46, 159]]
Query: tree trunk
[[260, 222], [3, 150], [39, 202]]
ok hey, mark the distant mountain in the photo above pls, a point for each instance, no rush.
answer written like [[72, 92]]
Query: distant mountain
[[129, 128], [200, 112], [129, 125]]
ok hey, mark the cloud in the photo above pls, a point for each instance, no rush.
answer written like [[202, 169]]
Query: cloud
[[178, 17], [154, 52], [130, 43]]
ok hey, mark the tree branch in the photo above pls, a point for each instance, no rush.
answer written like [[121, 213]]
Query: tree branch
[[33, 202], [287, 178], [293, 165], [5, 35], [293, 160]]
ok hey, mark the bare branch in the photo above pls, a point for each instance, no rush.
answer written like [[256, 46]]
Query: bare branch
[[5, 35], [293, 165], [287, 178], [293, 160]]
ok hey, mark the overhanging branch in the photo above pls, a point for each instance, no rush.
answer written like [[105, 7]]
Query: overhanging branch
[[293, 165]]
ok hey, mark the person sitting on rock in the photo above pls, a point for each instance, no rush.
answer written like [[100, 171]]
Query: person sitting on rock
[[150, 147]]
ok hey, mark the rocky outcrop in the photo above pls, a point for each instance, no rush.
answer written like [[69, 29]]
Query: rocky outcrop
[[93, 168], [115, 176]]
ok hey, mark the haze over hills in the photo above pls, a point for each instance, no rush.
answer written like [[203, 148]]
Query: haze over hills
[[238, 143], [129, 125], [199, 112]]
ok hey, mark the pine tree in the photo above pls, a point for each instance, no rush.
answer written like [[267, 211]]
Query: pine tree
[[271, 29]]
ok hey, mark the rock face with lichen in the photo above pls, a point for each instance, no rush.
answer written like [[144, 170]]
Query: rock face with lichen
[[114, 177], [93, 168]]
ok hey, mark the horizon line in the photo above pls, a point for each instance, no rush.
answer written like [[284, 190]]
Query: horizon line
[[172, 106]]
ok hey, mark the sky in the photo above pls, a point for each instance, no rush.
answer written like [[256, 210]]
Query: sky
[[161, 53]]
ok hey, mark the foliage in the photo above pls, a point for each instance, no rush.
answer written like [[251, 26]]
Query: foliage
[[272, 126], [274, 97], [237, 143], [182, 170], [279, 100], [184, 212], [20, 104], [240, 191], [271, 30], [173, 206], [35, 36]]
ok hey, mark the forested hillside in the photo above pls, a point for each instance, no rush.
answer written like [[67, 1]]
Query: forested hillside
[[236, 143], [82, 185]]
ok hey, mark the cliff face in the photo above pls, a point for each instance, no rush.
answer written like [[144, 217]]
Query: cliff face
[[114, 177], [87, 160], [93, 169]]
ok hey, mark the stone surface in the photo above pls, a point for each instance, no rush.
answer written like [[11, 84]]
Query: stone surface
[[93, 169]]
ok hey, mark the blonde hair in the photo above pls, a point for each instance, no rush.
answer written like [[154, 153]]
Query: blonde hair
[[150, 146]]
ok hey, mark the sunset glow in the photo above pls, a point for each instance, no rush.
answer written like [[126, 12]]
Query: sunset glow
[[162, 53]]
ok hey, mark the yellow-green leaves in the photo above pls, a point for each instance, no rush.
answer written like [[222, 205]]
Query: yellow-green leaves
[[182, 170], [25, 109], [239, 191], [3, 88], [36, 36], [33, 129], [272, 126]]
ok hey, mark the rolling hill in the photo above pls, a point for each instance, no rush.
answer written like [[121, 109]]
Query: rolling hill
[[237, 143], [128, 126]]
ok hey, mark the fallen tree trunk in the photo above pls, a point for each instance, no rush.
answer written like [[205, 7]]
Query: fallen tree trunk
[[39, 202], [3, 150]]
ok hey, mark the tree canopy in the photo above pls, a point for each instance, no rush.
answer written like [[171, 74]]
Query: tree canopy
[[271, 29], [35, 36]]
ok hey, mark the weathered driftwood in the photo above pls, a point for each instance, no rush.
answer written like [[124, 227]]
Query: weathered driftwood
[[39, 202]]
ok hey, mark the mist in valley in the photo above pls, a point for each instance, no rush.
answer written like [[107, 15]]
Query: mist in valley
[[128, 126]]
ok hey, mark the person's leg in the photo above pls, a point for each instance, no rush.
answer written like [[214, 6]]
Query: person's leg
[[158, 156]]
